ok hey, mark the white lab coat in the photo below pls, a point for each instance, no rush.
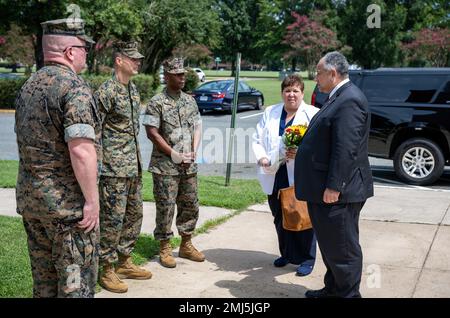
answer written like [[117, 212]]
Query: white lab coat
[[267, 143]]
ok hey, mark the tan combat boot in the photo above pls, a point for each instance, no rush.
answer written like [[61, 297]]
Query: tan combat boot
[[165, 254], [109, 280], [187, 250], [126, 269]]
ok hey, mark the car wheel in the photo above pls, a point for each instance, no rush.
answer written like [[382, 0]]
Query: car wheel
[[419, 161], [259, 103]]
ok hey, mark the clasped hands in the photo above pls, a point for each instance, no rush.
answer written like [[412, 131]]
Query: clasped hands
[[185, 159]]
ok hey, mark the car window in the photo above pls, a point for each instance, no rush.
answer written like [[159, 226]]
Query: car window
[[401, 88], [231, 88], [444, 95], [243, 87], [213, 86]]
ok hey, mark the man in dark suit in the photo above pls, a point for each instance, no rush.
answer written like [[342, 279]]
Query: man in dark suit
[[333, 175]]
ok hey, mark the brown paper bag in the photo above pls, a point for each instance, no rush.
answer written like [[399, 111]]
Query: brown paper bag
[[295, 212]]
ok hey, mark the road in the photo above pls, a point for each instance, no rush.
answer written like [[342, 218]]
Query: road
[[215, 142]]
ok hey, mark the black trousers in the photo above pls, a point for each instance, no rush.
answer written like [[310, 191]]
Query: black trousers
[[298, 247], [337, 230]]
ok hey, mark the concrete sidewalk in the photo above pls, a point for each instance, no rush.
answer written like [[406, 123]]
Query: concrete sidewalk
[[404, 235]]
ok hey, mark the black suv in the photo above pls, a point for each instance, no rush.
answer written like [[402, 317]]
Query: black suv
[[410, 120]]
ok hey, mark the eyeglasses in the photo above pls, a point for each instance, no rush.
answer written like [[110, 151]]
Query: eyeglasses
[[85, 47]]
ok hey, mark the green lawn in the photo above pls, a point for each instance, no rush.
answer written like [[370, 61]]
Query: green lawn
[[15, 273], [256, 74], [240, 194], [263, 74], [271, 88], [8, 173]]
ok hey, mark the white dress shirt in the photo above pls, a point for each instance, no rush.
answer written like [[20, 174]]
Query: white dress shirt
[[337, 87]]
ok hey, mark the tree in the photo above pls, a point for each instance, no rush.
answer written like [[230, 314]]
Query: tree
[[196, 54], [109, 20], [18, 48], [372, 47], [236, 29], [104, 19], [426, 14], [28, 15], [309, 40], [168, 24], [430, 45]]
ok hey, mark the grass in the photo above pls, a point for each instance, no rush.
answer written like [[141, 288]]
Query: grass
[[212, 192], [15, 273], [271, 88], [239, 195], [256, 74], [8, 173], [263, 74]]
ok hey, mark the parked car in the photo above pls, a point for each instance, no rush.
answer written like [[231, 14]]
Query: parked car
[[218, 95], [201, 75], [410, 119], [9, 76], [318, 98]]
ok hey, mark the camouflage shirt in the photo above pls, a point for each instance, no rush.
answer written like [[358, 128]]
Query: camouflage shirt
[[176, 120], [119, 107], [54, 106]]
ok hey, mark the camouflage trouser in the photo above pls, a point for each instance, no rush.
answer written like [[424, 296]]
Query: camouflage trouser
[[168, 191], [64, 260], [120, 216]]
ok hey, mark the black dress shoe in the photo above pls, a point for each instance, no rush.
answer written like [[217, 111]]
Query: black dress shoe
[[321, 293]]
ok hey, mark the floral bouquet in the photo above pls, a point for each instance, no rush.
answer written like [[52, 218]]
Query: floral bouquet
[[293, 135]]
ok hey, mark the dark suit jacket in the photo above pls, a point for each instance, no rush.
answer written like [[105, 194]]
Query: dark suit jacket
[[333, 153]]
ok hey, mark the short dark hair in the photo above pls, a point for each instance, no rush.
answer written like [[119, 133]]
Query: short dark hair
[[292, 80], [115, 55]]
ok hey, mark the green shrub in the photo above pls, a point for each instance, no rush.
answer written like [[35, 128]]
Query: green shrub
[[146, 86], [9, 88], [8, 91], [191, 81]]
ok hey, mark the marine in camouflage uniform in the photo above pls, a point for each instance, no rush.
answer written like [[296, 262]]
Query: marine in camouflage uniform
[[120, 187], [54, 108], [175, 119]]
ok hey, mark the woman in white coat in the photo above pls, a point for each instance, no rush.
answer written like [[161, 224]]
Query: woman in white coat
[[276, 170]]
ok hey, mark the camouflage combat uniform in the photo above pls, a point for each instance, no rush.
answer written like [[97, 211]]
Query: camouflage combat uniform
[[176, 119], [54, 106], [121, 176]]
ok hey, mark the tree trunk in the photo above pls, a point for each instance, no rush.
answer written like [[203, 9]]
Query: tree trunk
[[233, 66], [294, 64], [154, 56]]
